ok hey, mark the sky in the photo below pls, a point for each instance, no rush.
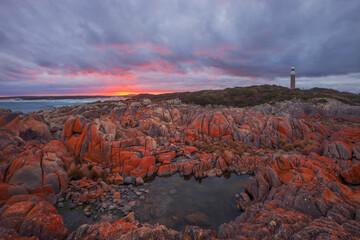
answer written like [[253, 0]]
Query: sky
[[110, 47]]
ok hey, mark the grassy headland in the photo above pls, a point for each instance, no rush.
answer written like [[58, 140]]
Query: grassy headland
[[253, 95]]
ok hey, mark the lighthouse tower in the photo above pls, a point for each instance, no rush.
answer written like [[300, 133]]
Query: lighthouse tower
[[292, 78]]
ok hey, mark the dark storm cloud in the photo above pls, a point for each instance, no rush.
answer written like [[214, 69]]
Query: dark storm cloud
[[95, 46]]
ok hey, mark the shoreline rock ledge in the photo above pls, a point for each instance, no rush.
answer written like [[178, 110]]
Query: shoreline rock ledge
[[305, 181]]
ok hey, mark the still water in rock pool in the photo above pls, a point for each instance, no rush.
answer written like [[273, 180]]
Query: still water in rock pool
[[175, 202], [75, 217], [171, 201]]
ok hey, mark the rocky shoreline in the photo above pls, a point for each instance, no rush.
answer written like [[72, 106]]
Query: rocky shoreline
[[306, 168]]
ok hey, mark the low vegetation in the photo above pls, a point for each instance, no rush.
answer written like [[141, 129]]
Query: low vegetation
[[77, 159], [105, 177], [285, 145], [221, 146], [93, 175], [75, 174], [254, 95]]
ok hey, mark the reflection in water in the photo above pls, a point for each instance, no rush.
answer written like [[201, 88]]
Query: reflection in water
[[176, 203], [73, 218]]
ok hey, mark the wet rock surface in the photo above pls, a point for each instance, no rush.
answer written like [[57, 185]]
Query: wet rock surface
[[95, 157]]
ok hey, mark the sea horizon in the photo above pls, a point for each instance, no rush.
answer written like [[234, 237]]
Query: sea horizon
[[32, 105]]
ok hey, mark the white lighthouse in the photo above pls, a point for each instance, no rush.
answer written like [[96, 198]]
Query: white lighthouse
[[292, 78]]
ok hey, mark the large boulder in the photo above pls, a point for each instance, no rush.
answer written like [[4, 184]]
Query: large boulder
[[32, 216], [26, 171], [29, 129], [6, 115], [352, 175], [121, 229], [34, 169], [8, 190]]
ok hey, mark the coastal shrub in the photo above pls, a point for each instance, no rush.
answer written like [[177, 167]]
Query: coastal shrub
[[237, 149], [77, 159], [105, 177], [75, 174], [219, 146], [93, 175], [254, 95], [285, 145], [305, 143], [288, 147], [66, 166], [282, 141], [322, 100]]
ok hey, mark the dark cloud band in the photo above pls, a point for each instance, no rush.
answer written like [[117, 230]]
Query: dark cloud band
[[152, 46]]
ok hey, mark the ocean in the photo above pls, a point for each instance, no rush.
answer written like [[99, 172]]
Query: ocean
[[27, 106]]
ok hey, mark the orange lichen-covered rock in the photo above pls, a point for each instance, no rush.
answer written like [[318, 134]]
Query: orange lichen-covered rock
[[123, 229], [285, 128], [118, 179], [221, 164], [58, 152], [192, 149], [9, 190], [44, 166], [73, 125], [330, 196], [14, 214], [26, 171], [352, 175], [290, 196], [229, 157], [142, 170], [32, 216], [186, 168], [167, 169], [285, 176], [165, 156], [116, 169], [78, 126], [29, 129], [283, 164]]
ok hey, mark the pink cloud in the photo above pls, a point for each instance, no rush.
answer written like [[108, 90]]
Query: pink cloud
[[220, 52], [161, 65], [127, 48], [71, 72]]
